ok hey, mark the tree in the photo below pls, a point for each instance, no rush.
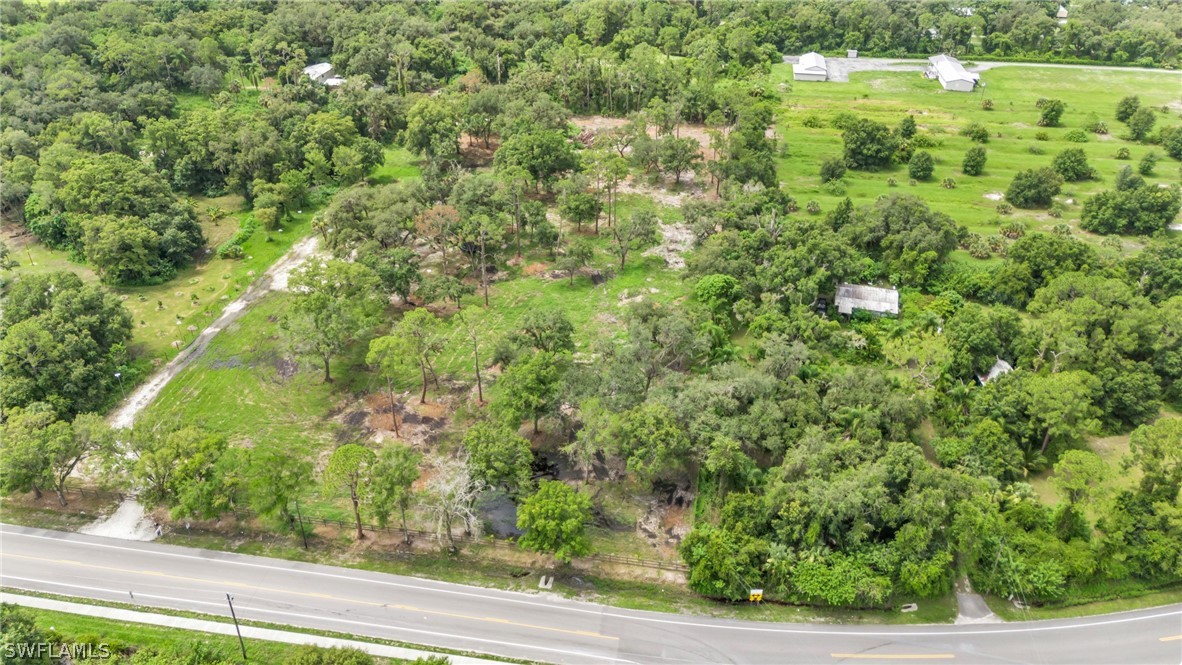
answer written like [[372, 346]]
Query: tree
[[113, 184], [1144, 210], [580, 208], [89, 437], [974, 161], [1052, 112], [921, 165], [907, 127], [555, 520], [29, 434], [1072, 165], [1126, 107], [451, 493], [832, 169], [575, 256], [652, 442], [392, 483], [639, 230], [498, 457], [543, 154], [869, 145], [546, 330], [385, 355], [178, 467], [433, 128], [1141, 123], [678, 155], [1062, 406], [1155, 451], [1034, 188], [417, 337], [528, 388], [351, 468], [275, 477], [63, 342], [333, 303], [1079, 476], [474, 331]]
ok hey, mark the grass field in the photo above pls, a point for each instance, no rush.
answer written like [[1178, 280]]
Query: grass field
[[888, 97], [168, 316], [120, 635]]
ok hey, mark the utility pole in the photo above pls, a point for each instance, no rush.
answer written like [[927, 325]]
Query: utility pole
[[230, 600], [119, 375], [301, 518]]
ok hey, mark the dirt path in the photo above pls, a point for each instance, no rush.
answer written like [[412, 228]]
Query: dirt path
[[275, 279], [129, 521]]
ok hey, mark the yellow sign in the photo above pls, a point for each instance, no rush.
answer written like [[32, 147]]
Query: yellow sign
[[756, 595]]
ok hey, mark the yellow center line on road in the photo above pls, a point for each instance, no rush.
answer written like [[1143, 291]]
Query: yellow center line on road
[[1171, 638], [306, 594], [895, 656]]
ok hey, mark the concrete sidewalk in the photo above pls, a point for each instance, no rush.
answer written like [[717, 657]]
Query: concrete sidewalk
[[219, 628]]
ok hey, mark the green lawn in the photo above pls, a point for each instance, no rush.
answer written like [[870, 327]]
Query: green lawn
[[168, 316], [121, 635], [888, 97]]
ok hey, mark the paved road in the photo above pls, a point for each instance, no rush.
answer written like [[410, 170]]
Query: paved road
[[543, 628]]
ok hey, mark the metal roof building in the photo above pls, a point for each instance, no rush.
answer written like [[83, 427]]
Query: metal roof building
[[319, 71], [952, 74], [810, 68], [868, 298], [1000, 367]]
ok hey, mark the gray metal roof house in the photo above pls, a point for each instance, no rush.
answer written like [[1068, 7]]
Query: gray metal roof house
[[868, 298]]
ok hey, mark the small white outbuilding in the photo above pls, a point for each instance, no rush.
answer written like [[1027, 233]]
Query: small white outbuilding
[[810, 68]]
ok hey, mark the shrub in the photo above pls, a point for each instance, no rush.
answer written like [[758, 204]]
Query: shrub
[[978, 248], [921, 165], [1123, 153], [948, 183], [1143, 211], [1061, 230], [1112, 242], [1076, 136], [1035, 149], [1004, 208], [1034, 188], [832, 169], [812, 121], [907, 127], [1012, 230], [1072, 165], [1052, 112], [986, 104], [925, 141], [843, 120], [891, 182], [1147, 163], [1126, 107], [1042, 136], [232, 247], [813, 207], [1141, 123], [974, 161], [1170, 139], [835, 187], [1056, 210], [976, 132], [1097, 126]]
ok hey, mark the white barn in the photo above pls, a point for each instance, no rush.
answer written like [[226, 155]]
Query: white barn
[[319, 72], [952, 74], [810, 68], [869, 298]]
